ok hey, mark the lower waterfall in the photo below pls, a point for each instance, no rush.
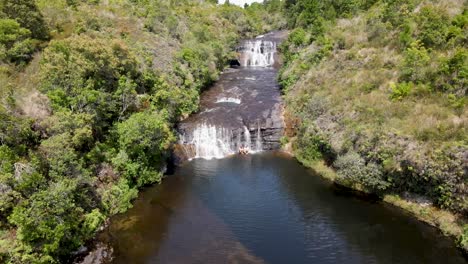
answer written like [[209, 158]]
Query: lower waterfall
[[210, 141]]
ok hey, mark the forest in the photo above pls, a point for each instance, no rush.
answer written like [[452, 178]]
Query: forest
[[91, 91]]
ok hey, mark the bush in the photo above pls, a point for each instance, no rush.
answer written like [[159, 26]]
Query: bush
[[15, 44], [352, 169], [416, 60], [297, 37], [433, 25], [463, 241], [46, 237], [26, 13], [400, 90], [311, 147], [452, 75], [144, 140], [94, 76], [117, 199]]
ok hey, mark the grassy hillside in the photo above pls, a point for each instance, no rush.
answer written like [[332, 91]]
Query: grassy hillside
[[90, 91], [379, 90]]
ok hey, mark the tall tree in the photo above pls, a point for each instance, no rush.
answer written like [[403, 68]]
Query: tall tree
[[26, 13]]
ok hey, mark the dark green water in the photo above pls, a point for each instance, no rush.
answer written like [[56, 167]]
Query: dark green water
[[266, 208]]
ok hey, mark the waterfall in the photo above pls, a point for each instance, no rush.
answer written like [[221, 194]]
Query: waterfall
[[258, 53], [258, 142], [247, 141], [210, 141], [234, 115]]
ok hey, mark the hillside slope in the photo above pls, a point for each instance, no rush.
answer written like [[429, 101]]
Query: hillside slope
[[379, 89], [90, 92]]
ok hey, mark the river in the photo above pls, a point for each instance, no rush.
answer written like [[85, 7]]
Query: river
[[265, 207]]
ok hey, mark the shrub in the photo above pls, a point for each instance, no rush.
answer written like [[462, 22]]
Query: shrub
[[452, 75], [325, 48], [117, 199], [93, 76], [287, 82], [15, 44], [463, 241], [297, 37], [45, 237], [144, 140], [352, 169], [416, 60], [311, 147], [433, 25], [26, 13], [400, 90]]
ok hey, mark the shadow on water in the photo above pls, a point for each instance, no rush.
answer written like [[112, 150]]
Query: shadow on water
[[170, 224], [266, 208]]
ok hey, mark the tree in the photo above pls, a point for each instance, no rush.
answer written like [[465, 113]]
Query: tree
[[144, 140], [26, 13], [49, 223], [15, 44], [93, 76]]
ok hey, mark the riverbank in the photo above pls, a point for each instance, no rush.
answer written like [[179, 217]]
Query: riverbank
[[375, 95], [449, 224]]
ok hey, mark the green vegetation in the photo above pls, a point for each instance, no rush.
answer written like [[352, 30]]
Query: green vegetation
[[90, 93], [379, 89]]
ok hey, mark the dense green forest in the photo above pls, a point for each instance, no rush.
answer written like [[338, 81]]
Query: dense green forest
[[90, 93], [378, 89]]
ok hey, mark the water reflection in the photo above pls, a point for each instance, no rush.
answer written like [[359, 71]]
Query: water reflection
[[266, 208]]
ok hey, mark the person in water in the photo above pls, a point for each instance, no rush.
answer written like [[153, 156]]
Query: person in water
[[243, 150]]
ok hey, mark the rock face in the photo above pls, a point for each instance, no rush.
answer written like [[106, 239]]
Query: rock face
[[242, 110], [101, 254]]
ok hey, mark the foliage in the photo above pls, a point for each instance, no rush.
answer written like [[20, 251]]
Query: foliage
[[144, 140], [464, 238], [27, 14], [453, 73], [45, 236], [81, 74], [352, 169], [22, 27], [338, 83], [433, 24], [297, 37], [415, 62], [118, 198], [311, 147], [400, 90], [87, 118]]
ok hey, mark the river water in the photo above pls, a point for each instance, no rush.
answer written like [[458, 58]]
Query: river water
[[260, 208]]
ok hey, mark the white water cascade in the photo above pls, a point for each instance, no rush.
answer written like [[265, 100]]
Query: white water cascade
[[212, 142], [258, 53], [247, 140], [241, 112], [258, 141]]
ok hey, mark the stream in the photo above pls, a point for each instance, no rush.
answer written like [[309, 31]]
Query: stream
[[265, 207]]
